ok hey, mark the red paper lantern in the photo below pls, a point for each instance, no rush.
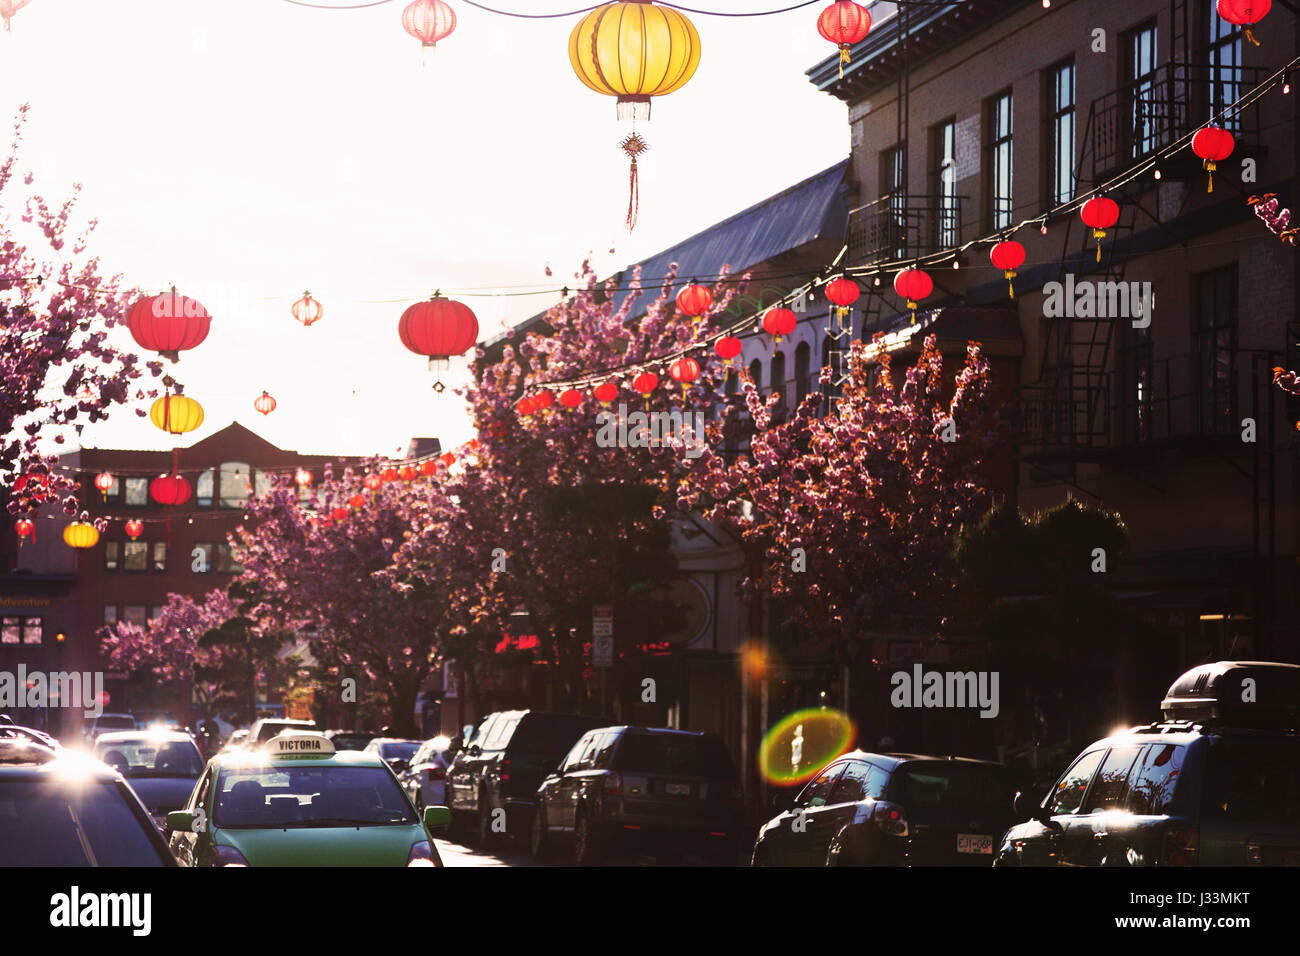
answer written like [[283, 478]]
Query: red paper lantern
[[169, 490], [168, 323], [339, 513], [429, 468], [571, 398], [544, 399], [842, 292], [372, 482], [357, 501], [1212, 144], [429, 21], [844, 23], [1008, 255], [694, 301], [645, 383], [526, 405], [448, 459], [685, 370], [407, 473], [779, 322], [1099, 214], [605, 392], [913, 285], [439, 329], [264, 403], [307, 310], [104, 481], [728, 347], [134, 528], [25, 528], [1244, 13], [303, 477], [389, 474]]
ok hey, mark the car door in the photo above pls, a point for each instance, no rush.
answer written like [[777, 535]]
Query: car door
[[1087, 839], [554, 788], [578, 779], [185, 843], [494, 749], [841, 809], [467, 766], [1039, 844], [809, 822]]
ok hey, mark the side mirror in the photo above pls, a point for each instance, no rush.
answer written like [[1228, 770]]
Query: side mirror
[[475, 751], [180, 821], [782, 800], [436, 818]]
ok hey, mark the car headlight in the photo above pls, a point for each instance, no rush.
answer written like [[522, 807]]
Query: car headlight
[[422, 855]]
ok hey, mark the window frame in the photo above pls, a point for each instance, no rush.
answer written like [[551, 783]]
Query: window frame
[[943, 148], [999, 147], [1054, 117]]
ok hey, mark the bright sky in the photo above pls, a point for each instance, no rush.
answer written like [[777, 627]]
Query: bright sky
[[248, 150]]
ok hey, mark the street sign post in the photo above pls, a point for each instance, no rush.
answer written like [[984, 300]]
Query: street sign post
[[602, 643]]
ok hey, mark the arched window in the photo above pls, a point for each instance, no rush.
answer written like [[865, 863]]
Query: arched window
[[801, 360], [756, 373]]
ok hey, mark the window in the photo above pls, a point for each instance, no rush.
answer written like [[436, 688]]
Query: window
[[263, 481], [153, 614], [819, 789], [114, 493], [235, 485], [203, 489], [1137, 361], [1060, 132], [1142, 91], [856, 783], [574, 757], [1001, 206], [137, 492], [604, 751], [201, 558], [111, 549], [134, 614], [943, 183], [801, 362], [11, 630], [160, 555], [893, 187], [778, 380], [1070, 789], [756, 373], [110, 614], [1215, 306], [1155, 775], [501, 734], [135, 556], [1224, 56], [226, 563], [1111, 788]]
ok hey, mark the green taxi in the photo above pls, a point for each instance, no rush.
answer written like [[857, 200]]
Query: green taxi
[[295, 801]]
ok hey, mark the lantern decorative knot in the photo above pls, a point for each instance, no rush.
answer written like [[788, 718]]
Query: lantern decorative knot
[[307, 310], [844, 23], [264, 403], [1244, 13], [913, 285], [1099, 213], [1213, 144], [1008, 255]]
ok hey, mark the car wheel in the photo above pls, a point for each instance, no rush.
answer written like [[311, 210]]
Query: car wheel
[[586, 844], [540, 843]]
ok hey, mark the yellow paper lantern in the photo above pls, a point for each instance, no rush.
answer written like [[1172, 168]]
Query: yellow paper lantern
[[634, 50], [176, 414], [80, 534]]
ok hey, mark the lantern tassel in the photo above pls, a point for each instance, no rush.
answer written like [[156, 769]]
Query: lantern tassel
[[1209, 168], [1011, 286], [1250, 35], [844, 58], [634, 146], [1099, 235]]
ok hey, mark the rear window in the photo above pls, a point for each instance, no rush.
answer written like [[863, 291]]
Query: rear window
[[350, 741], [929, 790], [87, 824], [548, 737], [151, 757], [670, 754], [1253, 779], [114, 723], [269, 730]]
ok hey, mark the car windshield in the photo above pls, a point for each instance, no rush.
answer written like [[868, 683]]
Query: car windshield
[[279, 796], [939, 791], [673, 754], [1253, 780], [350, 741], [107, 722], [81, 823], [399, 750], [549, 737], [146, 756]]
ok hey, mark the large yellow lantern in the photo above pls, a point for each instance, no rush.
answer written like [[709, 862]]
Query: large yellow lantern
[[176, 414], [80, 534], [634, 50]]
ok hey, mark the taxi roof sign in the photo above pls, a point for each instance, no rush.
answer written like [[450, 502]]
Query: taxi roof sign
[[298, 744]]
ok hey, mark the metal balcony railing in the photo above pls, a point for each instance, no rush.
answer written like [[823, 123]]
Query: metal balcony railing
[[902, 226]]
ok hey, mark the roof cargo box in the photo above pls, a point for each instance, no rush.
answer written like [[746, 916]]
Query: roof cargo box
[[1237, 693]]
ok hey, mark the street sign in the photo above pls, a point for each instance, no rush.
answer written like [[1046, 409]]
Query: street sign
[[602, 620], [602, 652]]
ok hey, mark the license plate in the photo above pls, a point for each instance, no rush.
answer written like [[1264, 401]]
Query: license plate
[[677, 789], [975, 843]]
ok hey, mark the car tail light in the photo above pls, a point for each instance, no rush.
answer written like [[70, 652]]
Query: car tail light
[[227, 856], [505, 769], [1254, 854], [613, 785], [889, 818], [1180, 846], [435, 773], [422, 855]]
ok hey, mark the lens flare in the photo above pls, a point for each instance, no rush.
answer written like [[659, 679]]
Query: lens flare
[[801, 743]]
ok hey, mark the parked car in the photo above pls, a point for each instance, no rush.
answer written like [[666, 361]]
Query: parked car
[[395, 751], [349, 739], [237, 740], [503, 763], [673, 791], [161, 766], [872, 809], [15, 731], [425, 779], [105, 723], [62, 809], [265, 728], [1215, 783]]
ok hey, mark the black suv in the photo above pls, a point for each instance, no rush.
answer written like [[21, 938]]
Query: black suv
[[869, 809], [621, 787], [500, 766], [1216, 783]]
